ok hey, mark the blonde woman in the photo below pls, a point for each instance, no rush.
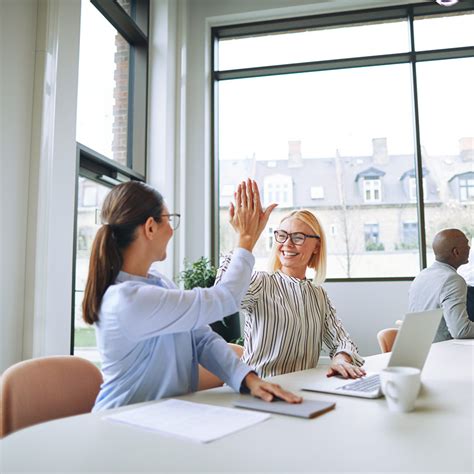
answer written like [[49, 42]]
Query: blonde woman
[[288, 317]]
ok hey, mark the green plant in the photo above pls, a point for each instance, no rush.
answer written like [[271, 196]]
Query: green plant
[[406, 246], [200, 273], [371, 246], [239, 341]]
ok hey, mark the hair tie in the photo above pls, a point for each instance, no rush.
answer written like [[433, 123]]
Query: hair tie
[[112, 232]]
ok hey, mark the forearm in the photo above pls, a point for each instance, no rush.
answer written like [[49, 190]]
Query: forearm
[[457, 320], [454, 304], [216, 356]]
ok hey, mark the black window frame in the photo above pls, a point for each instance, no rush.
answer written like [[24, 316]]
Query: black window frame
[[366, 16]]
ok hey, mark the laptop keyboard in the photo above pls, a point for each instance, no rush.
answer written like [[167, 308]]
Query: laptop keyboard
[[366, 384]]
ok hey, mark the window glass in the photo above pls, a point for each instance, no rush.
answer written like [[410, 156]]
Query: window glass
[[300, 140], [371, 235], [447, 138], [126, 5], [102, 112], [372, 190], [466, 187], [88, 210], [344, 138], [314, 45], [455, 30], [410, 235]]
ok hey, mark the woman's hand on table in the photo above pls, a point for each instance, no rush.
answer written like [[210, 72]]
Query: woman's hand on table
[[342, 365], [268, 391]]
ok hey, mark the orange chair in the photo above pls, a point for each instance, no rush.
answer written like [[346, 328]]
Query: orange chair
[[38, 390], [386, 339], [208, 379]]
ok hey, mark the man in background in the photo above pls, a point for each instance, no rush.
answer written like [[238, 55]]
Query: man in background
[[440, 286]]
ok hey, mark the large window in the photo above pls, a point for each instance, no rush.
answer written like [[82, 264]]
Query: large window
[[111, 124], [354, 116]]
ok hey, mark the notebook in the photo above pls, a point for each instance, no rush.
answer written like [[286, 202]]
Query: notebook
[[411, 348], [305, 409]]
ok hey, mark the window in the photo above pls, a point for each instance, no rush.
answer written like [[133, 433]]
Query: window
[[89, 196], [448, 148], [409, 235], [466, 187], [111, 124], [348, 113], [412, 188], [279, 189], [102, 117], [371, 235], [372, 190]]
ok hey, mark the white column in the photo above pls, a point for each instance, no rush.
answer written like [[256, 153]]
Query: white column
[[51, 206], [17, 47]]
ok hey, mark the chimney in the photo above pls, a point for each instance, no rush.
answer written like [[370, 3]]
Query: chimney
[[295, 158], [466, 148], [379, 147]]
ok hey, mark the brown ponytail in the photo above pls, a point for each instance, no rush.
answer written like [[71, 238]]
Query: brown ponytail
[[127, 206]]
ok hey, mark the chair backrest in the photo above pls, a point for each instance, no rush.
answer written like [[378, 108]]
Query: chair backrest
[[386, 338], [46, 388]]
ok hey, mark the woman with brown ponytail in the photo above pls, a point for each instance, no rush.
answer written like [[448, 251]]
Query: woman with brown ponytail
[[151, 335]]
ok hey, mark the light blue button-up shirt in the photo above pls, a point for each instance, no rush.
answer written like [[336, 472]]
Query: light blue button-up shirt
[[440, 286], [152, 335]]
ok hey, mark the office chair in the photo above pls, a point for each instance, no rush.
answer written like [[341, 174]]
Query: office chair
[[46, 388], [386, 338], [208, 379]]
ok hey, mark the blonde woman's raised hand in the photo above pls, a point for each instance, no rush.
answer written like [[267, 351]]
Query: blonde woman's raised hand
[[246, 215]]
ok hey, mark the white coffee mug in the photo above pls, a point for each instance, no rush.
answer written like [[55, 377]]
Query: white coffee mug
[[400, 386]]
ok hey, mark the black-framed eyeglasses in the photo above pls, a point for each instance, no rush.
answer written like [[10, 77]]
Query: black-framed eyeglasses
[[173, 219], [298, 238]]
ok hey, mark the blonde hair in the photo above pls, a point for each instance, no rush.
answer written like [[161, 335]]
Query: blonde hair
[[317, 261]]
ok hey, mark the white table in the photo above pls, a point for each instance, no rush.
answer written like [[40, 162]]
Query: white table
[[359, 435]]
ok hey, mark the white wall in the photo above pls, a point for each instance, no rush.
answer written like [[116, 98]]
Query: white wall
[[18, 27], [40, 50], [367, 307]]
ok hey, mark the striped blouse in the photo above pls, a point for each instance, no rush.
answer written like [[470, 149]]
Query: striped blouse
[[286, 322]]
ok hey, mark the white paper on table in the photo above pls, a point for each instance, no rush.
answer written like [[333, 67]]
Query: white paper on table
[[195, 421], [464, 342]]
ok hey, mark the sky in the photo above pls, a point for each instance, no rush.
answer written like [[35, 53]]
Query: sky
[[258, 116]]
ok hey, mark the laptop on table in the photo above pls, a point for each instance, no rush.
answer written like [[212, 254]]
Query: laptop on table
[[410, 349]]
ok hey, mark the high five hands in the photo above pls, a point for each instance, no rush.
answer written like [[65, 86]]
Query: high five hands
[[247, 216]]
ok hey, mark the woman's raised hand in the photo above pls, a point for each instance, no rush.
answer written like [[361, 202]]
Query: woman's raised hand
[[247, 216]]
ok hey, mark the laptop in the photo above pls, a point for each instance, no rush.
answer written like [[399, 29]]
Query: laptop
[[410, 349]]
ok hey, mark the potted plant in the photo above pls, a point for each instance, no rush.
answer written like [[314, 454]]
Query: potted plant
[[202, 274]]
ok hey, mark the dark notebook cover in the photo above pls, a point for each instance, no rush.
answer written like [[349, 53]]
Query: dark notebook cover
[[306, 409]]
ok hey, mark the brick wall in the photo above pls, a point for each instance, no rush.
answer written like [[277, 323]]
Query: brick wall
[[120, 109]]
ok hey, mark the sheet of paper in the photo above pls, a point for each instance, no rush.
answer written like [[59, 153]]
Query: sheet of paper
[[464, 342], [195, 421]]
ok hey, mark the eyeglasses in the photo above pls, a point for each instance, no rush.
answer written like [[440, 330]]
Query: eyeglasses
[[173, 219], [298, 238]]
